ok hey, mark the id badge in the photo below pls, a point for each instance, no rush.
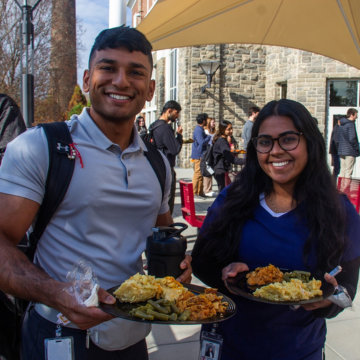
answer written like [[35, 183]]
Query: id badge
[[60, 348], [210, 346]]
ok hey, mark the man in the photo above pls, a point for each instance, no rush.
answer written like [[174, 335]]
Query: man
[[111, 205], [348, 143], [333, 151], [246, 133], [198, 148], [165, 140]]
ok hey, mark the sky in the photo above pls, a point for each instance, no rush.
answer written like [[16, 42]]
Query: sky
[[94, 15]]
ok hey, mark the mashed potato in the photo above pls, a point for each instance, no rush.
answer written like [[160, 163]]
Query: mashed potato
[[295, 290]]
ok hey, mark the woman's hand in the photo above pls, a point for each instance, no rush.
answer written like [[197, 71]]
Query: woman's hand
[[185, 265], [233, 269], [324, 303]]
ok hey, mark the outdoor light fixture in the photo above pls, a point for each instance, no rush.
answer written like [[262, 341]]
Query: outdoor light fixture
[[27, 77], [209, 68]]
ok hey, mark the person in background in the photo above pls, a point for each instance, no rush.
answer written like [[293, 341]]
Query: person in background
[[223, 158], [166, 142], [333, 150], [283, 209], [348, 143], [140, 125], [199, 146], [209, 130], [246, 133]]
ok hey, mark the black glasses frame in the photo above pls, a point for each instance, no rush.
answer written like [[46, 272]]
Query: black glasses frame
[[273, 141]]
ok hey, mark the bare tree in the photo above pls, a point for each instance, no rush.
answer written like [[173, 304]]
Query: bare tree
[[10, 52], [47, 77]]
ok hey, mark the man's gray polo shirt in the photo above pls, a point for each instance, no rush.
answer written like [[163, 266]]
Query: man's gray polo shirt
[[108, 211]]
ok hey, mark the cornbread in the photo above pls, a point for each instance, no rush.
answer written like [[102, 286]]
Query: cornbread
[[144, 287], [295, 290], [138, 288], [171, 289]]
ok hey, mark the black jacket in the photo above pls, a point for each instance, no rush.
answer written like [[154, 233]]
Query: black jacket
[[333, 149], [167, 142], [223, 158], [348, 143]]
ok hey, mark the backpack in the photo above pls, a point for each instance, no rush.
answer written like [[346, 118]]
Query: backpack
[[11, 122], [149, 136], [59, 176], [207, 162]]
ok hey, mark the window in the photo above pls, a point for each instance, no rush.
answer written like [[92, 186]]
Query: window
[[173, 74], [282, 90], [344, 93]]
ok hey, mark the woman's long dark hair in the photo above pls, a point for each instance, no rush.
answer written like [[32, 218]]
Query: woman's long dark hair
[[137, 123], [324, 211], [223, 124]]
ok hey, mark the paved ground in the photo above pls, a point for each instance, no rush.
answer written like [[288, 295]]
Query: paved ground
[[181, 342]]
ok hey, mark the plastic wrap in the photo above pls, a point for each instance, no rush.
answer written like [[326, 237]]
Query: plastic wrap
[[342, 298], [84, 284]]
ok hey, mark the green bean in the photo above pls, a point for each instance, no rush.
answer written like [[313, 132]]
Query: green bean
[[158, 307], [160, 301], [175, 309], [158, 315], [173, 317], [185, 315], [142, 315], [142, 308], [287, 278]]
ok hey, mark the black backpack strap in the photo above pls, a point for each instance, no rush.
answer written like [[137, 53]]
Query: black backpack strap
[[59, 175], [157, 162]]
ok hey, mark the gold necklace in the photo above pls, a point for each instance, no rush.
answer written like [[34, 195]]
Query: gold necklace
[[273, 205]]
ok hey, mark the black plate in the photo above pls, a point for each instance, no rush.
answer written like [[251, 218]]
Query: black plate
[[238, 286], [122, 310]]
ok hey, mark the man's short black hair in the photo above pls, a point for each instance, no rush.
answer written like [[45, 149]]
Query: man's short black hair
[[172, 104], [201, 118], [253, 109], [119, 37]]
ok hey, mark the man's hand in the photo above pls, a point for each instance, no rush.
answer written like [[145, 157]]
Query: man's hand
[[179, 130], [82, 316], [233, 269], [324, 303], [185, 277]]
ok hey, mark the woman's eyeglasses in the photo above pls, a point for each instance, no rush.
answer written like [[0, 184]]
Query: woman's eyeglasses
[[288, 141]]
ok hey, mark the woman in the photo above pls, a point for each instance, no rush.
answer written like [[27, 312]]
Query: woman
[[209, 129], [223, 158], [282, 209], [140, 125]]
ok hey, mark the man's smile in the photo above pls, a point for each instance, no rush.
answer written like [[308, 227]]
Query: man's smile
[[119, 97]]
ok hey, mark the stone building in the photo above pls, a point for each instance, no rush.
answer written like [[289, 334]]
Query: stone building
[[250, 75], [63, 76]]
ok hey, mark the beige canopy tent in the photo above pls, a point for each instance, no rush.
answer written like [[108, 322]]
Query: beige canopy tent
[[327, 27]]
